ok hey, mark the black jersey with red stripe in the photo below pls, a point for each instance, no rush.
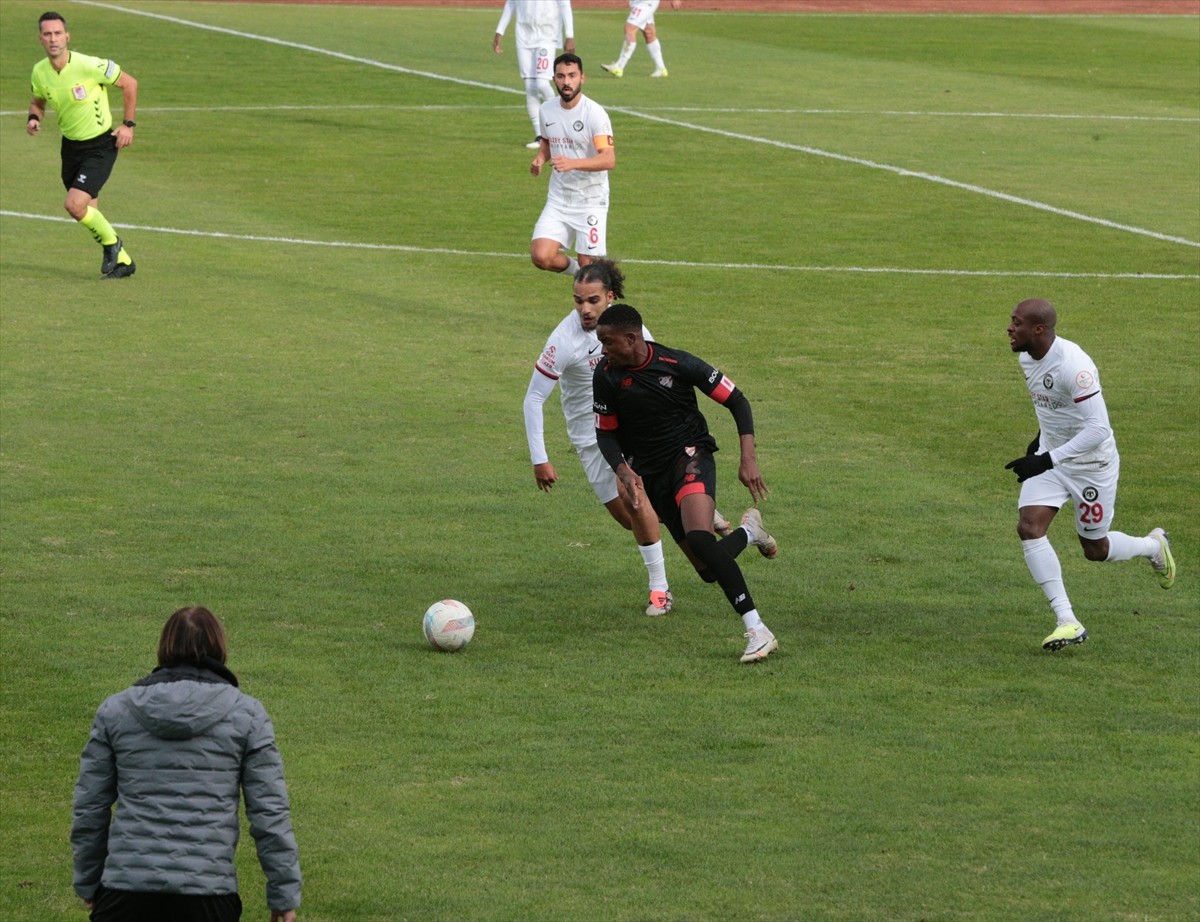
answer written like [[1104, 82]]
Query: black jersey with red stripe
[[651, 409]]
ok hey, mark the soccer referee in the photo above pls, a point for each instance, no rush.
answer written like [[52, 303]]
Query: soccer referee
[[76, 86]]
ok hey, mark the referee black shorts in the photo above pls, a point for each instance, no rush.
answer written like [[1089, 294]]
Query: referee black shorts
[[694, 471], [87, 164]]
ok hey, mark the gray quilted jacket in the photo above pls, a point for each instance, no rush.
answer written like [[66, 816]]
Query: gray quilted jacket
[[172, 752]]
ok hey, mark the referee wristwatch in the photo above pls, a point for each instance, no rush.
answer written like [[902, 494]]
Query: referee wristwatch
[[129, 123]]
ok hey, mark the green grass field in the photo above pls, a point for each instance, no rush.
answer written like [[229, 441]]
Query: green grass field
[[304, 411]]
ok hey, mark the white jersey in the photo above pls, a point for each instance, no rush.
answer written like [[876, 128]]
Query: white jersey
[[539, 22], [1065, 388], [579, 132], [569, 358]]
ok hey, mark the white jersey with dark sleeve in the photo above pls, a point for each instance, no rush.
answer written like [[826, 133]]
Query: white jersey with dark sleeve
[[568, 359], [1064, 386]]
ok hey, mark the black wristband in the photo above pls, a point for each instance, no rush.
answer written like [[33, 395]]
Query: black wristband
[[33, 117]]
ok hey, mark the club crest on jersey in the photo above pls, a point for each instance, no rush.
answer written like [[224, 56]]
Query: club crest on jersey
[[578, 126], [592, 220], [690, 451], [1090, 494], [79, 91], [1048, 382], [666, 381], [1084, 379]]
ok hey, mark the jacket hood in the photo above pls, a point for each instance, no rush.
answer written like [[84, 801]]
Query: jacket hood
[[180, 702]]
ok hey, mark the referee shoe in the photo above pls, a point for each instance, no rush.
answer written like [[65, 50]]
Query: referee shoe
[[108, 262], [122, 270]]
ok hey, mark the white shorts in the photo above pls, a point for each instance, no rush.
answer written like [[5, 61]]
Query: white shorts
[[583, 229], [536, 62], [641, 13], [599, 474], [1093, 491]]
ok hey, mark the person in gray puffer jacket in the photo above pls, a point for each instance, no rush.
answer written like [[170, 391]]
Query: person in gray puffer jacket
[[175, 753]]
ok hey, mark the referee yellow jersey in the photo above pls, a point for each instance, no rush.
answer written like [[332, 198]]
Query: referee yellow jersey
[[78, 93]]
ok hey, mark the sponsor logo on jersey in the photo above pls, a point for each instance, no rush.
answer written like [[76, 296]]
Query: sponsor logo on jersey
[[1090, 494], [1085, 379], [1047, 401], [547, 358], [79, 92]]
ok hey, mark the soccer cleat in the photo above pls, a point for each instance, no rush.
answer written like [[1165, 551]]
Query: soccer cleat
[[660, 603], [752, 522], [534, 144], [1163, 562], [760, 644], [122, 270], [721, 524], [108, 261], [660, 72], [614, 69], [1065, 635]]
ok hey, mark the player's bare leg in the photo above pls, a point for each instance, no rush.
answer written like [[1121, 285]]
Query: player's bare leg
[[548, 255]]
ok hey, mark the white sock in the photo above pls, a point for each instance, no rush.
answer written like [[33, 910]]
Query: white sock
[[655, 50], [627, 50], [572, 266], [1125, 547], [752, 620], [533, 103], [656, 566], [1046, 571]]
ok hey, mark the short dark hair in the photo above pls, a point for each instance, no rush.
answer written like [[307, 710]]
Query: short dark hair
[[568, 58], [191, 635], [49, 15], [621, 316], [605, 272]]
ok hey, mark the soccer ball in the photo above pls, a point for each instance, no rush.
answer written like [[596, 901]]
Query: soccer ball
[[449, 625]]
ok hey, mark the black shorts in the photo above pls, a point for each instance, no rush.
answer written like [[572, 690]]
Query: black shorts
[[124, 906], [695, 471], [87, 165]]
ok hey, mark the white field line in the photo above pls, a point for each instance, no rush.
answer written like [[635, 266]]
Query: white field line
[[477, 107], [688, 264], [800, 148]]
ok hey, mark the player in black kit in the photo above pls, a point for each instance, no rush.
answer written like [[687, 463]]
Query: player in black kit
[[657, 441]]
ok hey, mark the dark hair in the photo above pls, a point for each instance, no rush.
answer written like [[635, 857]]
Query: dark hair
[[191, 635], [621, 316], [605, 272], [568, 58], [47, 16]]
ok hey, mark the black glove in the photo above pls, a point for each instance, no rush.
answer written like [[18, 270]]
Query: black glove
[[1030, 466], [1035, 444]]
